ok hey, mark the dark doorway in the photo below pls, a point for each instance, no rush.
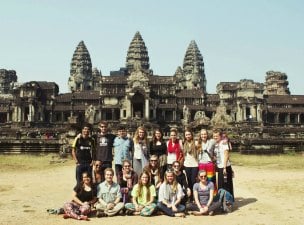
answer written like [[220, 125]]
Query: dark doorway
[[138, 105]]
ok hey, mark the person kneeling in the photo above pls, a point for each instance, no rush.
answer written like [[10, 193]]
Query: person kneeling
[[108, 193], [170, 195], [143, 196]]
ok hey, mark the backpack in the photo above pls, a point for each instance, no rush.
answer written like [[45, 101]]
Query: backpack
[[226, 199]]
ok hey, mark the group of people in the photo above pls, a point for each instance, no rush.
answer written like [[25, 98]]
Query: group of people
[[171, 177]]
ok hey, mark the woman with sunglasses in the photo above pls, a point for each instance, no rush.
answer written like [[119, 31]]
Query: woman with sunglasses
[[170, 195], [97, 174], [158, 147], [84, 196], [126, 178], [154, 171], [143, 197], [182, 180], [203, 196]]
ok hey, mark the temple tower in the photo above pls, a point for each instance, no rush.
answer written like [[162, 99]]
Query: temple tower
[[276, 84], [137, 54], [81, 69], [193, 68]]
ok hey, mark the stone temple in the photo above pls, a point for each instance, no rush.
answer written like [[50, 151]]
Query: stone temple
[[134, 95]]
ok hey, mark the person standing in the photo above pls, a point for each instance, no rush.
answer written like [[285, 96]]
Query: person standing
[[140, 155], [108, 194], [158, 147], [221, 149], [82, 152], [122, 149], [174, 149], [104, 146], [206, 156], [191, 159]]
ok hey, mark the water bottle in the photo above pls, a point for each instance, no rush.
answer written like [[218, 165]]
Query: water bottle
[[225, 178]]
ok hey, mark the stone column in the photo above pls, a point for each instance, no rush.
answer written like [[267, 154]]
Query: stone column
[[276, 119], [287, 120], [253, 112], [244, 113], [298, 118], [259, 113], [174, 115], [113, 114], [128, 108], [147, 109]]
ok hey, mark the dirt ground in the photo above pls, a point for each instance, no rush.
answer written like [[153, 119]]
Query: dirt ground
[[263, 196]]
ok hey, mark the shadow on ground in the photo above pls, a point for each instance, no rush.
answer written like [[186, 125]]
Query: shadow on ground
[[240, 202]]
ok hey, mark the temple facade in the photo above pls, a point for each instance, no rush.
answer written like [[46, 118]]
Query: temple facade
[[134, 95]]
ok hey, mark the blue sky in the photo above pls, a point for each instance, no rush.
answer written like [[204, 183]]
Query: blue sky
[[239, 39]]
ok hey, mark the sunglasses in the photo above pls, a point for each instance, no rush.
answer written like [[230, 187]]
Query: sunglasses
[[175, 166], [203, 176], [153, 160]]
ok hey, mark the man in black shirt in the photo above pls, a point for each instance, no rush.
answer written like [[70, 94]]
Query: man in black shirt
[[82, 149], [104, 146]]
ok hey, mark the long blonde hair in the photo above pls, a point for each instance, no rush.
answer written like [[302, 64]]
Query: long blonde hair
[[174, 185], [136, 135], [189, 146]]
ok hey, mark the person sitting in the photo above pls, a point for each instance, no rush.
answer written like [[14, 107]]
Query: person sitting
[[203, 196], [170, 195], [108, 193], [143, 197], [84, 196], [126, 179], [182, 180], [97, 174], [154, 171]]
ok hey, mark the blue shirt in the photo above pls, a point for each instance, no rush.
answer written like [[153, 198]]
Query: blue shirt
[[121, 149]]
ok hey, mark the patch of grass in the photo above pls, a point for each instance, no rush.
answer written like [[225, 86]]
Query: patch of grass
[[28, 162], [282, 161]]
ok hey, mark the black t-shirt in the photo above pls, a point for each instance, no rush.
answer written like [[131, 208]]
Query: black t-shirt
[[158, 149], [84, 148], [83, 195], [104, 145]]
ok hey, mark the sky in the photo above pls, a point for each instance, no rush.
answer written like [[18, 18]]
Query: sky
[[238, 39]]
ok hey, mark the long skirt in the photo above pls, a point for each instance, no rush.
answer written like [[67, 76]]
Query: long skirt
[[210, 170]]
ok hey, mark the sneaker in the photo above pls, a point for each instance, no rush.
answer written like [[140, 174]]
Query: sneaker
[[100, 214], [129, 212], [180, 215]]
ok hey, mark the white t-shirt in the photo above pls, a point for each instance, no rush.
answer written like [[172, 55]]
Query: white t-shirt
[[219, 150]]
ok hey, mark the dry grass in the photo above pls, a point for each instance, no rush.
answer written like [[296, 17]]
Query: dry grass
[[28, 162], [282, 161]]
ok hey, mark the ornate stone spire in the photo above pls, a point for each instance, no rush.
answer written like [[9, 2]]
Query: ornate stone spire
[[137, 54], [193, 67], [81, 69], [276, 83]]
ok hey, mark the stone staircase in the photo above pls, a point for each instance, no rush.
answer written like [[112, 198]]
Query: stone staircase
[[13, 146]]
